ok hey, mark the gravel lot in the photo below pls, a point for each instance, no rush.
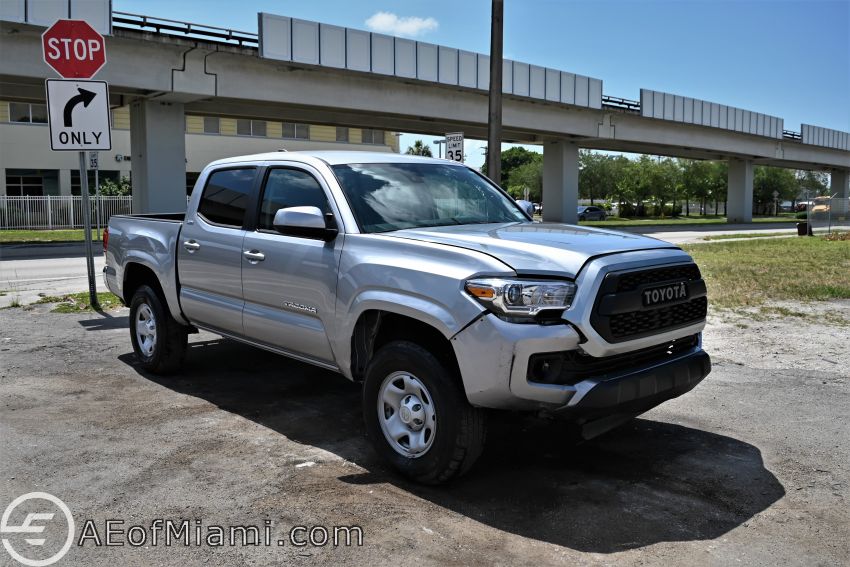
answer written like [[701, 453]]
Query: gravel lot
[[750, 467]]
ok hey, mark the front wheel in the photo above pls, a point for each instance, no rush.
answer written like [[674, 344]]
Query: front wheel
[[417, 415], [159, 341]]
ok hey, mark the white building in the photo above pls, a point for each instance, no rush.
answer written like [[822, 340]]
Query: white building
[[29, 167]]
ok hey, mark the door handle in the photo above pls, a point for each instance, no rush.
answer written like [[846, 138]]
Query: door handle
[[191, 246], [254, 256]]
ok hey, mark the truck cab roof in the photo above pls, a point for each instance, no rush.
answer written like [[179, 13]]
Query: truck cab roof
[[331, 157]]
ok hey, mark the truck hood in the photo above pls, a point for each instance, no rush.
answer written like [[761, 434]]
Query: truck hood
[[538, 248]]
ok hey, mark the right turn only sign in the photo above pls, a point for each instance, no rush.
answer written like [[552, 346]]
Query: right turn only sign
[[79, 115]]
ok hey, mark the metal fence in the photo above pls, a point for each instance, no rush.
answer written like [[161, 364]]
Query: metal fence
[[829, 214], [61, 211]]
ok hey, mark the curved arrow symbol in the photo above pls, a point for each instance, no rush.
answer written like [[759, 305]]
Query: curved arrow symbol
[[84, 97]]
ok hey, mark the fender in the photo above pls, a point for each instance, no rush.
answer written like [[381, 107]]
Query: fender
[[163, 275], [410, 305]]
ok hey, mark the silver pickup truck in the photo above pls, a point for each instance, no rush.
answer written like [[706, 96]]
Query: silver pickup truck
[[425, 282]]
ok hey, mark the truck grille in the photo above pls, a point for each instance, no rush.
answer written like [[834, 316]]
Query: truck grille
[[632, 280], [640, 322], [619, 314]]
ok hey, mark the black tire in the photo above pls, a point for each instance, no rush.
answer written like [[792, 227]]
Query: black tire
[[582, 218], [460, 429], [168, 349]]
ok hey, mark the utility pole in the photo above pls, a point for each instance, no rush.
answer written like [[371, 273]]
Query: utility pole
[[494, 117]]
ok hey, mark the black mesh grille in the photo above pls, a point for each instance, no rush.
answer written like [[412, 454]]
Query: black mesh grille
[[630, 281], [640, 322]]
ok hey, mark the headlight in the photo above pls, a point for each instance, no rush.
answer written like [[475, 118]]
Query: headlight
[[521, 300]]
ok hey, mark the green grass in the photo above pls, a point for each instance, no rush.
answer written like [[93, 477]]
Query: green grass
[[677, 221], [43, 236], [750, 273], [79, 302], [747, 235]]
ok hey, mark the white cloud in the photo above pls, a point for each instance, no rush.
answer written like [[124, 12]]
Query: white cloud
[[411, 26]]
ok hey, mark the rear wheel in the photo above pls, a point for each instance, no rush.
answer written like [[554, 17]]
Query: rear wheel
[[417, 416], [159, 341]]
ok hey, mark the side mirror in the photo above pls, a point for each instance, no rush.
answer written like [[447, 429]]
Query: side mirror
[[308, 222], [526, 206]]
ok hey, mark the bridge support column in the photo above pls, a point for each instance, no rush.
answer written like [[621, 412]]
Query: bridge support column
[[158, 147], [560, 182], [65, 182], [740, 191], [839, 184]]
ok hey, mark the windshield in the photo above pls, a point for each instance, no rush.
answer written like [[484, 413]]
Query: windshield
[[393, 196]]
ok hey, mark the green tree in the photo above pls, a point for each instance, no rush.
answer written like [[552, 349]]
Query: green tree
[[110, 188], [812, 183], [513, 158], [625, 181], [419, 149], [527, 176], [596, 175], [719, 183], [766, 180]]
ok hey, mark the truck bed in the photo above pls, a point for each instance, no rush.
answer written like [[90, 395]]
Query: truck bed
[[168, 217], [148, 241]]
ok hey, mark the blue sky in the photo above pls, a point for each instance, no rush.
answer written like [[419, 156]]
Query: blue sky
[[785, 58]]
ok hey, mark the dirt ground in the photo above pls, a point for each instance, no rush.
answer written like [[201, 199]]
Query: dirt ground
[[751, 467]]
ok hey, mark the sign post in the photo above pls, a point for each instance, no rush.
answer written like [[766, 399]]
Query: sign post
[[454, 146], [94, 166], [78, 110]]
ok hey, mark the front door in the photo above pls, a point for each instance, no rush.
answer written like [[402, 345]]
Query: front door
[[289, 282]]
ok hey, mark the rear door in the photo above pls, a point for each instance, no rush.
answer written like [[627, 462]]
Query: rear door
[[209, 252], [289, 282]]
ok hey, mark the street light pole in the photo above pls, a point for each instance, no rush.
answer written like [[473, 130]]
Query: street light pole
[[494, 116]]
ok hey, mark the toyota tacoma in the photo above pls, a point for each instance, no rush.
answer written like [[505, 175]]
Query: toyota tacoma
[[423, 281]]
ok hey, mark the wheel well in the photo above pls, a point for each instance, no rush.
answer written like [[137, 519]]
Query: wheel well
[[137, 275], [376, 328]]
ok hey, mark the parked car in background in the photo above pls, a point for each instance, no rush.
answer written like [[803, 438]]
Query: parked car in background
[[821, 205], [591, 213]]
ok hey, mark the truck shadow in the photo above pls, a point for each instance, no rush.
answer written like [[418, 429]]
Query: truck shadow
[[645, 483]]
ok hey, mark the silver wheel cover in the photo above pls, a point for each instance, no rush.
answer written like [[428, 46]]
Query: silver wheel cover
[[407, 414], [146, 329]]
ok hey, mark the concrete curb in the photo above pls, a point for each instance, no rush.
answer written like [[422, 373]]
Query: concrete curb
[[47, 250]]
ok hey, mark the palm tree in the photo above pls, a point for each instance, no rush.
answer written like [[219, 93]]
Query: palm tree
[[419, 149]]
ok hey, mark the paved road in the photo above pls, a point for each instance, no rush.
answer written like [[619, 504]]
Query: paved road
[[750, 468], [692, 234], [23, 280], [25, 272]]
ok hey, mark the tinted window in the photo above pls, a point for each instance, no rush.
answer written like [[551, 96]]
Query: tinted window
[[290, 188], [292, 130], [226, 196], [393, 196], [19, 112], [39, 113], [211, 125], [258, 127], [243, 127]]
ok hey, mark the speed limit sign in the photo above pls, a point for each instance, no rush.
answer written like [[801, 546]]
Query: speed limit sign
[[454, 146]]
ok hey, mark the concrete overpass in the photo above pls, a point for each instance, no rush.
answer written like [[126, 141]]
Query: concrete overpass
[[326, 74]]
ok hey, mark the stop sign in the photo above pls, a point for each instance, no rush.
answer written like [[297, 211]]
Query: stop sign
[[74, 49]]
